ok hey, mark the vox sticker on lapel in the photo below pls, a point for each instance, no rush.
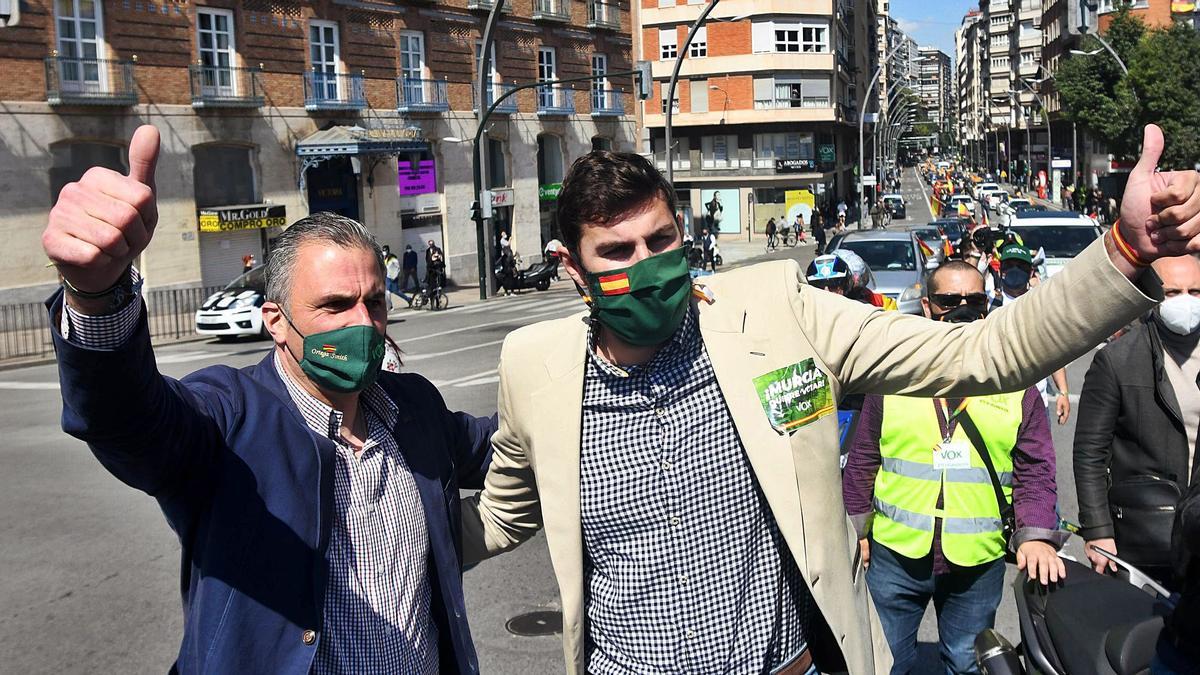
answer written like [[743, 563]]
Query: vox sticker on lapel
[[794, 395]]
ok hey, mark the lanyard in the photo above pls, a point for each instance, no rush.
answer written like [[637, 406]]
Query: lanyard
[[946, 418]]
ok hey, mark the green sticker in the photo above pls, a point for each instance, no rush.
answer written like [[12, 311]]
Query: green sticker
[[794, 395]]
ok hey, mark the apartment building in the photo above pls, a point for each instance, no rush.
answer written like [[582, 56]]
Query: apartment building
[[766, 105], [935, 86], [968, 57], [273, 109]]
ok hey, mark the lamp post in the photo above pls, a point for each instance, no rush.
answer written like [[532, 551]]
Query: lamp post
[[1014, 97], [687, 43], [862, 191], [1105, 45], [1046, 114]]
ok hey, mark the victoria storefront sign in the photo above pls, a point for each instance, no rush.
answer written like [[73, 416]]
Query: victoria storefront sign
[[226, 219]]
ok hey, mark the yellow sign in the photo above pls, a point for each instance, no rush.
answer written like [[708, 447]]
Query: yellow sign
[[801, 202], [242, 218], [1183, 6]]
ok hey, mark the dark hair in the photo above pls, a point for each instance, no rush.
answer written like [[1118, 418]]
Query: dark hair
[[947, 266], [322, 227], [603, 186]]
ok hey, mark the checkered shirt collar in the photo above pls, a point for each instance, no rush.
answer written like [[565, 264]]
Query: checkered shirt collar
[[682, 343], [326, 421]]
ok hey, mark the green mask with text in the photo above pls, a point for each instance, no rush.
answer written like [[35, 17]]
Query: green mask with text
[[344, 360], [644, 303]]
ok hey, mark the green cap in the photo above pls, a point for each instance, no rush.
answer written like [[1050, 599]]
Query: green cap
[[1016, 252]]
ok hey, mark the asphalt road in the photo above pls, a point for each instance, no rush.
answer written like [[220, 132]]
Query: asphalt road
[[89, 568]]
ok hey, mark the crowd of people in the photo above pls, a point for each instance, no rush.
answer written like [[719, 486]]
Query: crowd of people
[[677, 446]]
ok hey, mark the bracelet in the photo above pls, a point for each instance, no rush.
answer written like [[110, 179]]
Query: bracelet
[[1063, 393], [90, 295], [1124, 248]]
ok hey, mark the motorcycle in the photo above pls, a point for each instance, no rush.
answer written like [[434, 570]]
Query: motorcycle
[[538, 275], [1090, 624]]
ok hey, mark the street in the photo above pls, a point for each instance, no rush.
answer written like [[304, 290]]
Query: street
[[89, 570]]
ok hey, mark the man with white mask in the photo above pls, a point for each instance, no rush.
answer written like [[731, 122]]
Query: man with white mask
[[1135, 441]]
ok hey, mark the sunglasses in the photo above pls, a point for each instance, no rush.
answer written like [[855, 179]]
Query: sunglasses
[[952, 300]]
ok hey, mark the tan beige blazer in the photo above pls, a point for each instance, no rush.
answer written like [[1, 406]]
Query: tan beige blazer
[[766, 317]]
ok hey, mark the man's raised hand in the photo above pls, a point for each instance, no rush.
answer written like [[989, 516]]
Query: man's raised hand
[[103, 222], [1160, 212]]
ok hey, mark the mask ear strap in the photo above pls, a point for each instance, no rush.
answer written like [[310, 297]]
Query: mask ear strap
[[285, 344]]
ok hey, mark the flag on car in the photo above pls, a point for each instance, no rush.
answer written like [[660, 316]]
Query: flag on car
[[925, 248]]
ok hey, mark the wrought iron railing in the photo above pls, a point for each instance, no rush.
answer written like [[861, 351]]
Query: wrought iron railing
[[334, 91], [507, 107], [608, 102], [225, 87], [602, 14], [551, 10], [418, 95], [553, 100], [73, 81]]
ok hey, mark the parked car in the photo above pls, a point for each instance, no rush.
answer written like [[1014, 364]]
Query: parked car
[[896, 204], [235, 310], [1054, 236], [896, 261]]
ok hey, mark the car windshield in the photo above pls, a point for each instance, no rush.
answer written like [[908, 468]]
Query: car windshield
[[1019, 203], [254, 280], [1059, 241], [884, 255], [893, 200]]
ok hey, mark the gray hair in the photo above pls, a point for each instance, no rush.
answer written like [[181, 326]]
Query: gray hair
[[323, 227]]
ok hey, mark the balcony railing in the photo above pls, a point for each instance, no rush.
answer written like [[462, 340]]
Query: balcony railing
[[552, 10], [784, 103], [417, 95], [333, 91], [488, 4], [71, 81], [507, 107], [225, 87], [603, 14], [555, 101], [607, 102]]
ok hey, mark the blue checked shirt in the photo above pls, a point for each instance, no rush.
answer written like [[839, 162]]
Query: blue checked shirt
[[685, 570], [377, 599]]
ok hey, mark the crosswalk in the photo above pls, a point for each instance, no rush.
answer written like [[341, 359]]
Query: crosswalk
[[525, 304]]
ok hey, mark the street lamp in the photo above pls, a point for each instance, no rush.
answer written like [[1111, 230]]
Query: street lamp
[[725, 105], [862, 115], [1104, 44], [1049, 142], [1015, 96]]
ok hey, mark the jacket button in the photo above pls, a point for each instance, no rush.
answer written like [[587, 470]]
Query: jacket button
[[309, 637]]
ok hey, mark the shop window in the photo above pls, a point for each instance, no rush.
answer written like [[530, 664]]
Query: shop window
[[71, 159], [224, 175]]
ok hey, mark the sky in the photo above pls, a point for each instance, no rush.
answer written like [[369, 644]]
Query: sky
[[932, 22]]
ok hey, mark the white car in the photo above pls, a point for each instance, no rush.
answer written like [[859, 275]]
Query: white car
[[1054, 237], [987, 194], [236, 309], [961, 199], [1012, 206]]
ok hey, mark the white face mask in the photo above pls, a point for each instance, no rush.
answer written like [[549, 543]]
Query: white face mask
[[1180, 314]]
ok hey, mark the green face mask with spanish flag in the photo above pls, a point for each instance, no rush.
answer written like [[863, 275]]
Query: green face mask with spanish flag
[[344, 360], [644, 303]]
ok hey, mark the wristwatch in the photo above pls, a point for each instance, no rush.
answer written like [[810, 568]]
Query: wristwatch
[[121, 293]]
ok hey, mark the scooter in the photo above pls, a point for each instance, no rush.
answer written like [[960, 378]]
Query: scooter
[[1090, 624], [538, 275]]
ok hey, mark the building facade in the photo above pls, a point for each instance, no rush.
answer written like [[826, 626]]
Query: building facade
[[935, 86], [766, 107], [968, 58], [273, 109]]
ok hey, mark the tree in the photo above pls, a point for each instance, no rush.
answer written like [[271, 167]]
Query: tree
[[1094, 92], [1167, 83]]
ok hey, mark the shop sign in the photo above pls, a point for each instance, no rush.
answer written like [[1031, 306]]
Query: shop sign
[[418, 178], [502, 198], [795, 165], [826, 153], [549, 193], [232, 218]]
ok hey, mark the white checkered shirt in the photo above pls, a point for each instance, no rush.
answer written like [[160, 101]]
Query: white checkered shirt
[[377, 600], [684, 563]]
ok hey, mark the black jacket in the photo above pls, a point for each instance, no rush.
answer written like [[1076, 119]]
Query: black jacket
[[1129, 424]]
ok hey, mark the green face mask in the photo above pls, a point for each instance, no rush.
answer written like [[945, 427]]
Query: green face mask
[[644, 303], [344, 360]]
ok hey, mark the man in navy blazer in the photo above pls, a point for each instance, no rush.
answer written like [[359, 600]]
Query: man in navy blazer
[[315, 499]]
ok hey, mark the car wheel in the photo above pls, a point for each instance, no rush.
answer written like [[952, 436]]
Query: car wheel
[[543, 285], [227, 338]]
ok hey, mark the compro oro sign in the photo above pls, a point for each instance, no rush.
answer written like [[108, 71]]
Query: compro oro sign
[[248, 217]]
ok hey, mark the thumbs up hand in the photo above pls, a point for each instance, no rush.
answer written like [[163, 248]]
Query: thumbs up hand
[[1160, 212], [103, 222]]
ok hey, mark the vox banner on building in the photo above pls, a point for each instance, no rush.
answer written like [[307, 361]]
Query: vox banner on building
[[253, 217]]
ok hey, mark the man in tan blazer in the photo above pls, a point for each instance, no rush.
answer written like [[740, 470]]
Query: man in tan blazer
[[679, 445]]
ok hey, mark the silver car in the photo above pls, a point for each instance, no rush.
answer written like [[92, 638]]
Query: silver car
[[896, 263]]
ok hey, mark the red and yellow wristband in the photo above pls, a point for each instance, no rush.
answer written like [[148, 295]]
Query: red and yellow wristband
[[1124, 248]]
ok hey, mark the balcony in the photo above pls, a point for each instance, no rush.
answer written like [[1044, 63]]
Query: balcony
[[71, 81], [417, 95], [333, 91], [555, 101], [552, 10], [507, 107], [224, 87], [488, 4], [607, 103], [784, 103], [603, 15]]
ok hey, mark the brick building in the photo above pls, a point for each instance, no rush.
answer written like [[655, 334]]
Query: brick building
[[272, 109], [766, 107]]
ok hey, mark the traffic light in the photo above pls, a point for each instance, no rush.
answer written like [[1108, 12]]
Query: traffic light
[[1082, 17], [10, 12], [645, 81]]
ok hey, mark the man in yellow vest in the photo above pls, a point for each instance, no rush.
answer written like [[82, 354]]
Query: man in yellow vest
[[925, 503]]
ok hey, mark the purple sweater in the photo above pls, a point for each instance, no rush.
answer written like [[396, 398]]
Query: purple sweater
[[1034, 491]]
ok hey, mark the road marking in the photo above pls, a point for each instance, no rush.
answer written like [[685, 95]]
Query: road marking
[[455, 331], [490, 372], [546, 304], [184, 357], [448, 352], [29, 385], [924, 194]]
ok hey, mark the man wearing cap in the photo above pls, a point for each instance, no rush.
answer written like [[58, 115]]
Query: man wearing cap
[[1017, 276]]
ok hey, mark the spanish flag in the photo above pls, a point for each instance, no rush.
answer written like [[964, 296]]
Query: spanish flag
[[329, 349], [947, 247], [985, 219], [925, 248], [615, 284], [963, 211]]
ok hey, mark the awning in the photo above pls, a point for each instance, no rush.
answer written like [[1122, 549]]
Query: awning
[[344, 141]]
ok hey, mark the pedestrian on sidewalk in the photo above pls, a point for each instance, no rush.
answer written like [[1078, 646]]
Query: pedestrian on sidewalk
[[772, 244], [709, 241], [391, 268], [818, 230], [410, 270], [798, 227], [930, 524]]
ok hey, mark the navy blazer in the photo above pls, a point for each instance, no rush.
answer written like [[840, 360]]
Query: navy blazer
[[248, 488]]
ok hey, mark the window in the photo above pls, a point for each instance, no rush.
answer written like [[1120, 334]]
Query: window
[[681, 157], [326, 58], [999, 41], [789, 146], [412, 66], [668, 43], [998, 63], [497, 174], [675, 101], [214, 42], [699, 46], [547, 71], [1027, 30], [71, 159], [600, 93], [224, 175], [601, 143], [791, 92], [790, 36], [80, 26], [549, 159], [718, 152], [1028, 58], [699, 100]]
